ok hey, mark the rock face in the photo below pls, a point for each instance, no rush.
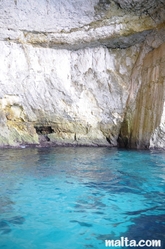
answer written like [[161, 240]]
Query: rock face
[[82, 73], [144, 122]]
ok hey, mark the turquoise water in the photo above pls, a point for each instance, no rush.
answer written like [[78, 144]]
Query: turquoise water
[[76, 198]]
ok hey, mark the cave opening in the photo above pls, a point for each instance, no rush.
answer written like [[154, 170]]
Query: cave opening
[[43, 130]]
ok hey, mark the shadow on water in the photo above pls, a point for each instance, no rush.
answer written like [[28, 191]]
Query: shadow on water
[[84, 224], [140, 211], [4, 227], [6, 224], [147, 227]]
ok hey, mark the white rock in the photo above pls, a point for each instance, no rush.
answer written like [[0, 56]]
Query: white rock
[[70, 70]]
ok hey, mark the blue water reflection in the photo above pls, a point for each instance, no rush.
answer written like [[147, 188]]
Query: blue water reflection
[[76, 198]]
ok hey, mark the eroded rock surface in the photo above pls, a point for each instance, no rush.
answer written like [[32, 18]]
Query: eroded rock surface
[[82, 73]]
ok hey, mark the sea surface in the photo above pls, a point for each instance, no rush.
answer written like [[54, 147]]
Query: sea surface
[[76, 198]]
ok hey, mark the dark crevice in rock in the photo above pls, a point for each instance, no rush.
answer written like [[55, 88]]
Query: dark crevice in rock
[[44, 130], [108, 140], [123, 141], [47, 138]]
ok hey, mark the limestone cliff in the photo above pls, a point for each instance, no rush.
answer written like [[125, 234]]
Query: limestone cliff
[[85, 72]]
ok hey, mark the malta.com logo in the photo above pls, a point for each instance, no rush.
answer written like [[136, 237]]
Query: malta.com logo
[[125, 242]]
